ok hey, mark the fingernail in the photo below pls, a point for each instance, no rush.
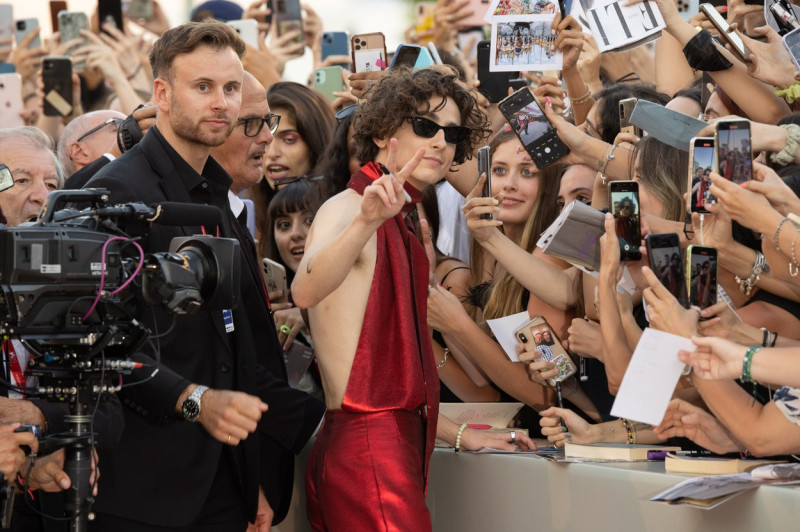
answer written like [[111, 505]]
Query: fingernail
[[724, 9], [568, 435], [547, 99], [564, 429]]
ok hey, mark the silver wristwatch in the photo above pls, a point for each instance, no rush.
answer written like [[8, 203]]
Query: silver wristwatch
[[191, 406]]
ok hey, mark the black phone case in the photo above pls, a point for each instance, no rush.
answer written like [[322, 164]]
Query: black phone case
[[110, 11], [494, 85], [57, 79], [545, 149]]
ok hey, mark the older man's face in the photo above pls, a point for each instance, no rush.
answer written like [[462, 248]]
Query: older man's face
[[35, 176]]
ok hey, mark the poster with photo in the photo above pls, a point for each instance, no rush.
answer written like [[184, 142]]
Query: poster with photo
[[523, 43]]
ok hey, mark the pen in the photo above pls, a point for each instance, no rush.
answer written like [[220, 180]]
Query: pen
[[560, 399], [479, 427]]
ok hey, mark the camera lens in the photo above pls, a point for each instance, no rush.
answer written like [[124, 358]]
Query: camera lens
[[20, 24], [523, 338]]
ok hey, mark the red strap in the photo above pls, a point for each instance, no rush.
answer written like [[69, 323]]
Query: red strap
[[17, 377]]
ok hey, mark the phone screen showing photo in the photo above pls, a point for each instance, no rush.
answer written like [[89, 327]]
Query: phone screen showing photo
[[702, 166], [624, 205], [665, 260], [702, 276], [734, 158]]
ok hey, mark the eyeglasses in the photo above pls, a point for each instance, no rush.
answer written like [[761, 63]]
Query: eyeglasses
[[427, 128], [254, 124], [282, 182], [115, 121]]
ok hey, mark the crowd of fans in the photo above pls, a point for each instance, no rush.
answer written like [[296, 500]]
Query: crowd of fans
[[742, 393]]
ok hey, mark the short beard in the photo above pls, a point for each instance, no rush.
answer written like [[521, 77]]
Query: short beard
[[184, 128]]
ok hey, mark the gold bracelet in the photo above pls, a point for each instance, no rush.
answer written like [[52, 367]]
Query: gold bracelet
[[583, 99]]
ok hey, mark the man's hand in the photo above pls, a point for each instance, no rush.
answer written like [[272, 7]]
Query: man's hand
[[384, 198], [230, 416], [11, 455], [48, 473], [264, 515]]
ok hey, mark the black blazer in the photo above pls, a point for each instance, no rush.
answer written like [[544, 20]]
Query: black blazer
[[79, 178], [163, 469]]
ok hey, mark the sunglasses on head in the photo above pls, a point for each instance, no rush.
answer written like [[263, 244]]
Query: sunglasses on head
[[427, 128]]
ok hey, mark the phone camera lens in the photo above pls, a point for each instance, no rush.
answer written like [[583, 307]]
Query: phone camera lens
[[523, 338], [20, 24]]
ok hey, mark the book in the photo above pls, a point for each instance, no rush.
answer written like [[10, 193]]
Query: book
[[575, 236], [611, 452], [617, 27], [712, 465]]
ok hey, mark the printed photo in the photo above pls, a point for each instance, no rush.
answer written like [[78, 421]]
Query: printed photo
[[522, 44], [525, 7]]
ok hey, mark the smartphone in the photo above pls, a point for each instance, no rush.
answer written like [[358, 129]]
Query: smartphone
[[705, 92], [626, 107], [517, 83], [485, 168], [140, 9], [535, 132], [57, 78], [335, 43], [792, 43], [110, 12], [494, 85], [11, 100], [479, 9], [734, 155], [329, 80], [55, 9], [701, 163], [424, 19], [369, 52], [701, 276], [274, 275], [23, 27], [405, 55], [784, 18], [736, 42], [6, 16], [288, 17], [664, 256], [70, 24], [537, 335], [247, 30], [623, 199]]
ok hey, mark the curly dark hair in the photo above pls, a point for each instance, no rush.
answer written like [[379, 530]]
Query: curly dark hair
[[405, 92]]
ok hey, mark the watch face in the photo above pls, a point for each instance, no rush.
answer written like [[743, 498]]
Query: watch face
[[190, 409]]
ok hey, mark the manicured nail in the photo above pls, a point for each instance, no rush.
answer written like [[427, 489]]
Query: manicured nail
[[547, 99], [564, 429]]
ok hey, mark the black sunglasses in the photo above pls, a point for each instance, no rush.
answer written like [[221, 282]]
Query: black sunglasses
[[427, 128], [254, 124], [115, 121]]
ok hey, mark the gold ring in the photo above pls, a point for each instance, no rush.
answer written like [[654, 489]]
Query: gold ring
[[228, 441], [285, 329]]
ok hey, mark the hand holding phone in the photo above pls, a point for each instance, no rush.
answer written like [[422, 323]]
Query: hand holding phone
[[57, 79], [722, 27], [701, 162], [664, 257], [274, 275], [369, 52], [537, 336], [535, 132]]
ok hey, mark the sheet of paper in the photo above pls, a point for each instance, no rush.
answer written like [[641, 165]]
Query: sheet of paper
[[651, 377], [503, 329]]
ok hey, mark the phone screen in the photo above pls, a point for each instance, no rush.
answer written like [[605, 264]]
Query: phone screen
[[664, 254], [702, 276], [702, 150], [734, 158], [624, 202], [792, 42], [537, 134]]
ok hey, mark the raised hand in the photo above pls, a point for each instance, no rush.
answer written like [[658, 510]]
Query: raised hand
[[384, 198], [476, 205], [715, 358]]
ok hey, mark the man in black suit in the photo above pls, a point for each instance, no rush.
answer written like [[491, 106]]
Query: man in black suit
[[168, 472]]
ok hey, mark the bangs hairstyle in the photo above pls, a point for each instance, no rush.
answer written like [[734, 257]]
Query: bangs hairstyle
[[313, 116], [299, 196], [405, 92], [186, 38]]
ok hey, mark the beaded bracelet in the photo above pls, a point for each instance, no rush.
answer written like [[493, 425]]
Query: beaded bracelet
[[774, 339], [776, 235], [458, 436], [793, 268], [747, 363], [628, 430], [746, 284]]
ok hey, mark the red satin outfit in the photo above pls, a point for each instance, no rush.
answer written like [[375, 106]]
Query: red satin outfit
[[368, 469]]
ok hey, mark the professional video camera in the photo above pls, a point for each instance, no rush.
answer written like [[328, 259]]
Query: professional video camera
[[70, 284]]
